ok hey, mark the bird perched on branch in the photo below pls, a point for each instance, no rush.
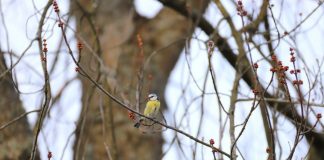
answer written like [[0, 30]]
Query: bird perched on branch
[[152, 108]]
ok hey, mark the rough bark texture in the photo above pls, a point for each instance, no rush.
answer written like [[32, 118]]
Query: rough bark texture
[[15, 139], [110, 28]]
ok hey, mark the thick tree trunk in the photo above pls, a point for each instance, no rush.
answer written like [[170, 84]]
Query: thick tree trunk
[[110, 28], [16, 138]]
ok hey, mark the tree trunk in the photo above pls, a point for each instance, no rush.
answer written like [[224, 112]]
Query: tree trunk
[[111, 29], [16, 138]]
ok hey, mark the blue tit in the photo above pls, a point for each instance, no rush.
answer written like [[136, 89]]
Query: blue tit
[[152, 108]]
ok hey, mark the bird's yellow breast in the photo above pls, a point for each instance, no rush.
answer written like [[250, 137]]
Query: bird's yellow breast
[[152, 108]]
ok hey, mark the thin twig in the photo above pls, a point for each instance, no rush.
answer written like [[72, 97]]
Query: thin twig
[[17, 118]]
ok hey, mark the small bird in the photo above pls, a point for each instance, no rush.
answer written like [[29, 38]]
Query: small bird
[[152, 108]]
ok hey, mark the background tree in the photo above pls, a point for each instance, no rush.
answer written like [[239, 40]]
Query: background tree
[[114, 32], [122, 56], [16, 136]]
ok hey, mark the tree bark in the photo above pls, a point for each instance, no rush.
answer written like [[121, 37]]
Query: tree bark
[[16, 138], [111, 28]]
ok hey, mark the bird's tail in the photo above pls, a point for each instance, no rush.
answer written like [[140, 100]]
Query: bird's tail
[[138, 124]]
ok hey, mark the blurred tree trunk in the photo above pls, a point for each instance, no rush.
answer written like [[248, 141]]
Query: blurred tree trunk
[[110, 28], [16, 138]]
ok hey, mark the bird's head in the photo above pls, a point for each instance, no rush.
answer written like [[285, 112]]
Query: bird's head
[[152, 97]]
